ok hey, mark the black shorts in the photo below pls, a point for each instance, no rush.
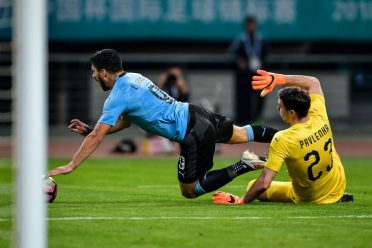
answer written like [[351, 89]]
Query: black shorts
[[204, 130]]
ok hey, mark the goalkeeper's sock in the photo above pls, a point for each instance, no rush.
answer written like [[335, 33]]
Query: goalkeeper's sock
[[215, 179], [260, 133]]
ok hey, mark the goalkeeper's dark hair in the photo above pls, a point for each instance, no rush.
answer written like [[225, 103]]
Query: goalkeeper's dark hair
[[107, 59], [296, 99]]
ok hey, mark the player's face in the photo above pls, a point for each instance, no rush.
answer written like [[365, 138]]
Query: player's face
[[96, 75]]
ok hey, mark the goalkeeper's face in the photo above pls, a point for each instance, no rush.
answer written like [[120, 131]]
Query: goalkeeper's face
[[288, 115], [283, 112]]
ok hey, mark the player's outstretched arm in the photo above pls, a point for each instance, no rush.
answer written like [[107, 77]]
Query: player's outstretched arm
[[311, 84], [79, 127], [256, 191], [262, 183], [89, 145], [266, 81]]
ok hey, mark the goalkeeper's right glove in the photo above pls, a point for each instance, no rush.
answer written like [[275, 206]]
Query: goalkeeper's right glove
[[266, 81], [220, 197]]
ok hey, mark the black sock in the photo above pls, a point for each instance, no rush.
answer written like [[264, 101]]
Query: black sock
[[215, 179], [263, 133]]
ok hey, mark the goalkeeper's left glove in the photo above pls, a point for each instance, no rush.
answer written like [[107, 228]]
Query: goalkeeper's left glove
[[266, 81], [220, 197]]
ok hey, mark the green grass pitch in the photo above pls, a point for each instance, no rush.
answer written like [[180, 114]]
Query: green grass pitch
[[136, 202]]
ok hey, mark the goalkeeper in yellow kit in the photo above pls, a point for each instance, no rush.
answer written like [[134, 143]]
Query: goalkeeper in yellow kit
[[306, 147]]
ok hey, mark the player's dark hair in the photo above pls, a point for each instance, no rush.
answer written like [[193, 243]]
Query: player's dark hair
[[296, 99], [107, 59]]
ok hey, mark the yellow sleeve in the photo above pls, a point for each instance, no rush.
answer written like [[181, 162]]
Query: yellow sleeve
[[317, 106], [277, 153]]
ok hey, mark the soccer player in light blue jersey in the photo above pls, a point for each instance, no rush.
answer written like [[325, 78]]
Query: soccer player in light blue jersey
[[135, 99]]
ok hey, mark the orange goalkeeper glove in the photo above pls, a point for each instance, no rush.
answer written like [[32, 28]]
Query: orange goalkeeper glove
[[220, 197], [266, 81]]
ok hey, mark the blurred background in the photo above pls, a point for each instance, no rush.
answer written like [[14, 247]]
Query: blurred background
[[215, 49]]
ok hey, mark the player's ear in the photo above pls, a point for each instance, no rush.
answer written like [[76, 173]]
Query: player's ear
[[103, 72], [292, 113]]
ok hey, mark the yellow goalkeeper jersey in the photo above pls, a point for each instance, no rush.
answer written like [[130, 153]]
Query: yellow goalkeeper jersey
[[312, 162]]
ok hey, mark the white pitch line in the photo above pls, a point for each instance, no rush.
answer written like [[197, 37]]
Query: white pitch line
[[332, 217], [77, 218], [212, 217], [160, 218], [153, 218]]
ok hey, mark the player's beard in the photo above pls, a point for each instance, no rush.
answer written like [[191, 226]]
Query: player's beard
[[100, 81]]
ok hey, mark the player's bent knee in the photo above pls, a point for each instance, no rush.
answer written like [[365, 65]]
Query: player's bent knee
[[188, 195], [187, 190]]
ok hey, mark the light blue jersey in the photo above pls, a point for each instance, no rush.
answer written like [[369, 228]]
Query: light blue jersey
[[143, 103]]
